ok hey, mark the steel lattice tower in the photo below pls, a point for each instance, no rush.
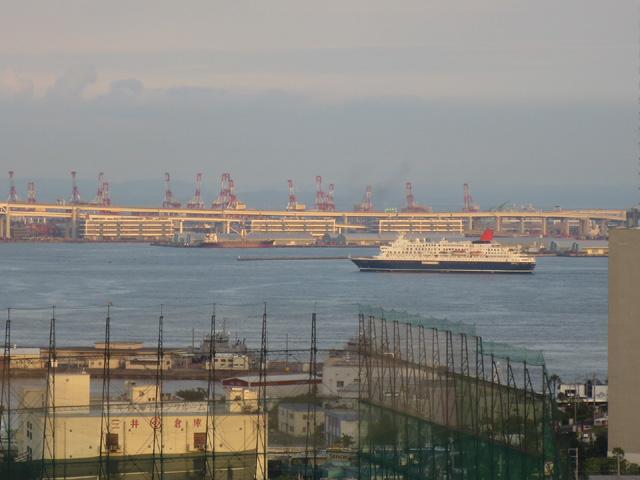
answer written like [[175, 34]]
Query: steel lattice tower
[[104, 467], [157, 469], [49, 427]]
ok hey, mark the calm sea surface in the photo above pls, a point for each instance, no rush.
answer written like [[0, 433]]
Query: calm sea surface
[[561, 309]]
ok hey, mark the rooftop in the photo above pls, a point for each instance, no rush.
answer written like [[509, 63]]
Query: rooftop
[[297, 407]]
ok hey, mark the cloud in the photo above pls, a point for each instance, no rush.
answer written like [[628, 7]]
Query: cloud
[[73, 82], [13, 85], [134, 132], [128, 87]]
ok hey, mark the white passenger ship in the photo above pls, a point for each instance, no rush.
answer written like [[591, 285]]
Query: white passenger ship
[[483, 255]]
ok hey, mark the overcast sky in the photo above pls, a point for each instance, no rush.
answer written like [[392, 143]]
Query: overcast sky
[[511, 96]]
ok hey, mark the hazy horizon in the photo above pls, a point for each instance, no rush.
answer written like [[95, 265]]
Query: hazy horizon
[[529, 102]]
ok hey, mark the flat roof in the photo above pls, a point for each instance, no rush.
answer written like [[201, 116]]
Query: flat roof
[[343, 414], [298, 407]]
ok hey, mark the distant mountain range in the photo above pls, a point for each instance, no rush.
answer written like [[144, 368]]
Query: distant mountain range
[[440, 197]]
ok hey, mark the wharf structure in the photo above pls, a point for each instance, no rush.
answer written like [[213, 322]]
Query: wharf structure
[[408, 397], [127, 223], [624, 338]]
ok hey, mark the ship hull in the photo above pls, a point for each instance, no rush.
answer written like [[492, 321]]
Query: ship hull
[[238, 244], [417, 266]]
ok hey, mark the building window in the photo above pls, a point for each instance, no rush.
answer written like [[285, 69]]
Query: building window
[[111, 439], [199, 440], [340, 383]]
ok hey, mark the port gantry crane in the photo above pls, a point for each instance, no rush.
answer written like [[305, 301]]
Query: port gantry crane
[[169, 200], [75, 191], [469, 206], [13, 193], [196, 201], [31, 193], [293, 200], [366, 205], [412, 205]]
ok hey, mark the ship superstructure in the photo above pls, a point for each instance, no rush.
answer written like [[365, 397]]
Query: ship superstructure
[[422, 255]]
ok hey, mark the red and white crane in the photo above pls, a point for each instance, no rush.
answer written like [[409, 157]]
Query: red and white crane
[[412, 205], [293, 200], [324, 201], [227, 198], [196, 201], [169, 200]]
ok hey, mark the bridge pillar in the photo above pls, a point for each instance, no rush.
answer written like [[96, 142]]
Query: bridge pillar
[[544, 227], [564, 228], [470, 224], [498, 224], [584, 227], [604, 227], [74, 223], [7, 224], [523, 228]]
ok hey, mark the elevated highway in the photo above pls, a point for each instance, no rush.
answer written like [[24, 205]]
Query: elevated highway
[[522, 222]]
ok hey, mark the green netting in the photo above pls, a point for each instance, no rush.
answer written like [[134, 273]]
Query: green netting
[[513, 353], [414, 319], [499, 350], [399, 446]]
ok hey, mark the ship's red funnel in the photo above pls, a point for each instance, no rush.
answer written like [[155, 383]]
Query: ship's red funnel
[[487, 236]]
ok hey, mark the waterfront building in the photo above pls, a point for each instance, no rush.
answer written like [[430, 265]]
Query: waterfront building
[[78, 428], [624, 339], [123, 228], [229, 361], [277, 386]]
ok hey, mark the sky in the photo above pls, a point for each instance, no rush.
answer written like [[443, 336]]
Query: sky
[[528, 101]]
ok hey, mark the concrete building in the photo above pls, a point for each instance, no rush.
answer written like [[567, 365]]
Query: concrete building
[[584, 392], [314, 226], [341, 422], [77, 427], [25, 358], [114, 228], [340, 376], [420, 225], [229, 361], [292, 419], [277, 386], [624, 342]]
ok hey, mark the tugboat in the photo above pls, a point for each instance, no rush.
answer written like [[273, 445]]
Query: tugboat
[[479, 256]]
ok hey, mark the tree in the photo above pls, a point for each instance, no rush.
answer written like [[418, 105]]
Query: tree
[[194, 395], [618, 454], [346, 441], [555, 382]]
